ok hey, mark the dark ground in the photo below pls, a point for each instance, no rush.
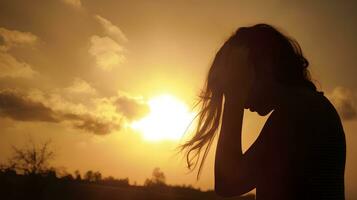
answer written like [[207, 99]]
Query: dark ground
[[14, 186]]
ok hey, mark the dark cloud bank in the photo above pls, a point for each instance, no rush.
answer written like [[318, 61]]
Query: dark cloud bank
[[18, 107]]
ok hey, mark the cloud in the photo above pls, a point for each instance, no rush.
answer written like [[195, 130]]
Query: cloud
[[9, 65], [94, 125], [80, 86], [103, 116], [111, 30], [2, 41], [12, 38], [20, 107], [74, 3], [106, 52], [12, 68], [17, 107], [131, 108], [83, 115], [344, 101]]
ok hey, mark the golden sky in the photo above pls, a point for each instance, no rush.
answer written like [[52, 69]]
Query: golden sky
[[82, 72]]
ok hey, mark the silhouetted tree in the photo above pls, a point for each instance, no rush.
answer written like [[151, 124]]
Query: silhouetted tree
[[50, 173], [97, 176], [31, 159], [157, 178], [5, 170], [68, 177], [77, 175], [89, 176], [109, 178], [92, 176]]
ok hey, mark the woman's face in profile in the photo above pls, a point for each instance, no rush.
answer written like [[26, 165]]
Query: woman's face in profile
[[261, 94], [259, 84]]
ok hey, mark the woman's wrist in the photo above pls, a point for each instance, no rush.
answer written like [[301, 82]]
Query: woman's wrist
[[234, 101]]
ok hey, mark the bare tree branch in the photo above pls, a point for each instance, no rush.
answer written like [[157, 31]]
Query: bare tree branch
[[32, 159]]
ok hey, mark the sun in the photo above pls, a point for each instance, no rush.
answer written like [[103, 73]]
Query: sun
[[167, 120]]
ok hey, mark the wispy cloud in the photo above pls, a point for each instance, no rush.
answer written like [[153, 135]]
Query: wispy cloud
[[111, 30], [344, 101], [130, 107], [90, 123], [81, 86], [107, 52], [74, 3], [9, 65], [11, 38]]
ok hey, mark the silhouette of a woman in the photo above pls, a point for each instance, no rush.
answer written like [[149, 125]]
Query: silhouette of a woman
[[301, 150]]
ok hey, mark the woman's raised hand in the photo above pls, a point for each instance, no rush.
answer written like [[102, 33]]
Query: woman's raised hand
[[239, 74]]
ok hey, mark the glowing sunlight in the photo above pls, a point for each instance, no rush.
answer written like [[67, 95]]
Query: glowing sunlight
[[167, 120]]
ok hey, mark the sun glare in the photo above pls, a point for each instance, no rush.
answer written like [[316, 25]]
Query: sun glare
[[167, 120]]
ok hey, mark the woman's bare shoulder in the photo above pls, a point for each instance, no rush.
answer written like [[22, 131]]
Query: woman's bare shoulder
[[308, 105], [311, 109]]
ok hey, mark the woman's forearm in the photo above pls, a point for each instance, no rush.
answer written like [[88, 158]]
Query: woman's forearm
[[231, 128], [232, 173], [229, 147]]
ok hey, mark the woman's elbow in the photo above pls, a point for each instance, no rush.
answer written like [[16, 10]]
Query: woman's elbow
[[224, 189], [230, 188], [223, 192]]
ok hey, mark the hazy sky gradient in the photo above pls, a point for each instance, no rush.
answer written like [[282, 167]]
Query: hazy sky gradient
[[86, 69]]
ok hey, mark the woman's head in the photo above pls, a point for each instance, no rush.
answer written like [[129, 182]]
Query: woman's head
[[277, 62]]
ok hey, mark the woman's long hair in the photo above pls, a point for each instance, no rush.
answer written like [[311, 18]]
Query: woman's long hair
[[265, 45]]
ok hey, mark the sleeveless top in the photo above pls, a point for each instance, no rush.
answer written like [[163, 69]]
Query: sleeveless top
[[301, 152]]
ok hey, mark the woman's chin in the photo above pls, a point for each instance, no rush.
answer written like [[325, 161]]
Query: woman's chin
[[261, 112]]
